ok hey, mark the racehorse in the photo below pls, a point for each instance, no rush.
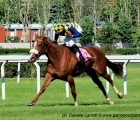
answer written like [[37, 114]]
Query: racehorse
[[63, 64]]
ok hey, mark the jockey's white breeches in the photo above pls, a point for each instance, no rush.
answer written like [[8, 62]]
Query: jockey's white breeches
[[70, 41]]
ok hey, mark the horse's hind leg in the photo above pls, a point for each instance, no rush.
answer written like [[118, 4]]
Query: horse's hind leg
[[92, 73], [108, 78], [73, 90]]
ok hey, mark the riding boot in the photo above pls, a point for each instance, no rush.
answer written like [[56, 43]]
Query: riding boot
[[56, 38], [76, 49]]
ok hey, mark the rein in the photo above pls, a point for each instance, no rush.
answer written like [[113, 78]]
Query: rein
[[38, 54], [49, 48]]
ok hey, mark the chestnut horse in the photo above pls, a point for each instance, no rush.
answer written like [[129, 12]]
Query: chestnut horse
[[63, 64]]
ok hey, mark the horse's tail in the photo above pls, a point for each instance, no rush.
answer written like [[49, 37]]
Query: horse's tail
[[116, 68]]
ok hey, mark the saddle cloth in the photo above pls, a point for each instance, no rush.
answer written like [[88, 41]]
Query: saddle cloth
[[85, 54]]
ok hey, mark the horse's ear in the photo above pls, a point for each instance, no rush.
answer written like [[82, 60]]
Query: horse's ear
[[43, 34]]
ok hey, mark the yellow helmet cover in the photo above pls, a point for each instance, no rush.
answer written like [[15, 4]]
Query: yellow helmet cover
[[58, 27]]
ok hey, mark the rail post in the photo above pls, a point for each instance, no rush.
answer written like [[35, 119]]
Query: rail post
[[3, 80]]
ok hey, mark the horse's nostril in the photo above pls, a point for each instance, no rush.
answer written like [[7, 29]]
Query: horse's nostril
[[32, 58]]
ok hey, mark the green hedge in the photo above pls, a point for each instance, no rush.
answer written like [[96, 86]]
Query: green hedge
[[14, 51], [126, 51], [26, 70], [120, 51], [29, 69], [110, 50]]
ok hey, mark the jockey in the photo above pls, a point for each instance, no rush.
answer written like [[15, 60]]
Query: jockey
[[71, 31]]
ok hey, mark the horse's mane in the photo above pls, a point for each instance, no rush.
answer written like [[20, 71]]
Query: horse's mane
[[46, 38], [61, 45]]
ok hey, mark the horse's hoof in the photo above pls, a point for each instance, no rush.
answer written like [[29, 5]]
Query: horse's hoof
[[111, 103], [120, 95], [76, 103], [31, 104]]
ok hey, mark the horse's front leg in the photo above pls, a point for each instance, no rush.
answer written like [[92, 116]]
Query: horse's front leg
[[47, 80], [73, 90]]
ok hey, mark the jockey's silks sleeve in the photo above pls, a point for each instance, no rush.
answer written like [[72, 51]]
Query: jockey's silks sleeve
[[75, 33]]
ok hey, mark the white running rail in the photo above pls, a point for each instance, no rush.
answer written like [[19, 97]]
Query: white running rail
[[25, 58]]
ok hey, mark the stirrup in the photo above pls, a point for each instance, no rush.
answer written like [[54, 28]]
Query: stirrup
[[81, 59]]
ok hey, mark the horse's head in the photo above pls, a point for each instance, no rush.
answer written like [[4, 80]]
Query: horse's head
[[39, 46]]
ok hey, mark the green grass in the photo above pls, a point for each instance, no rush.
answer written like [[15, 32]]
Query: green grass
[[53, 104]]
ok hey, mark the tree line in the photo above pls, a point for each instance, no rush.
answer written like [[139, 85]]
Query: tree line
[[121, 18]]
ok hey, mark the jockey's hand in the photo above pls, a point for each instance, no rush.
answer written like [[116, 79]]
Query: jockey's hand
[[69, 34]]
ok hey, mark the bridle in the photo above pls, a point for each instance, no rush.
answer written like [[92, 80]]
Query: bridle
[[41, 47]]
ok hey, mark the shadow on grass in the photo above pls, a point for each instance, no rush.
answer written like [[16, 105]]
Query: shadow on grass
[[124, 102], [71, 104]]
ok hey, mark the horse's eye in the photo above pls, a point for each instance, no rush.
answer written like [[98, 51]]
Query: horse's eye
[[33, 41]]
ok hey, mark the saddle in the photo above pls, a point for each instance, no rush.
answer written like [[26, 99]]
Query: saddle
[[83, 52]]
